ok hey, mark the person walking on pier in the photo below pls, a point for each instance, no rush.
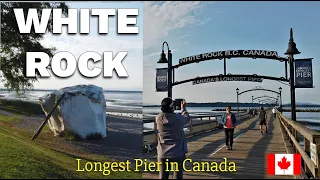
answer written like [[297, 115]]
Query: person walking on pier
[[172, 144], [274, 112], [263, 120], [229, 123]]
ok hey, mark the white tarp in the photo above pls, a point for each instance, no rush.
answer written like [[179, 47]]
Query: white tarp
[[82, 110]]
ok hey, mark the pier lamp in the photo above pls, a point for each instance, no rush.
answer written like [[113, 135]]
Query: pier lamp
[[237, 99], [292, 50], [163, 59], [280, 90], [251, 102]]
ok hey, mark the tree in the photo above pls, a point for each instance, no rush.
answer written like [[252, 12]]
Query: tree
[[14, 45]]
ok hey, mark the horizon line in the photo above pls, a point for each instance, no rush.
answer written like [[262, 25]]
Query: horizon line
[[35, 89]]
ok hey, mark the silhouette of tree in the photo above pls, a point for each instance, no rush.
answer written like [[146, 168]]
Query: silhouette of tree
[[14, 45]]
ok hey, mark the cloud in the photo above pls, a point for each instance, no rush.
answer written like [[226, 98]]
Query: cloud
[[158, 53], [78, 44], [184, 36], [162, 17]]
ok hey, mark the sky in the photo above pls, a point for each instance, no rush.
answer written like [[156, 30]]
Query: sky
[[78, 44], [192, 28]]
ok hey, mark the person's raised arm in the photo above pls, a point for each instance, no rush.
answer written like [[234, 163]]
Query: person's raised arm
[[184, 112]]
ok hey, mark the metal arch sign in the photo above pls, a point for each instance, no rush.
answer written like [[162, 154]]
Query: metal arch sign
[[201, 80], [265, 54]]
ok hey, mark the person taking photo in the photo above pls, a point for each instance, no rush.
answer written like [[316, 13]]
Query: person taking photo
[[172, 144]]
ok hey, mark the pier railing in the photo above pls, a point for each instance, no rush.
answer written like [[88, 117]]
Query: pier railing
[[198, 124], [300, 139]]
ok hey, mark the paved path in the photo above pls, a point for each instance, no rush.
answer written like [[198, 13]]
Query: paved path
[[249, 152]]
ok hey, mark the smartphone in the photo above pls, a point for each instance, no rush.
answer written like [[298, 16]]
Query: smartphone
[[177, 104]]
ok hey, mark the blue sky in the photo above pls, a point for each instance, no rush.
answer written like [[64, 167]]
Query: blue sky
[[192, 28], [79, 44]]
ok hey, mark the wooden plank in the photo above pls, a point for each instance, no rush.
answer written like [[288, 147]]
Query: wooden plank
[[304, 131], [249, 153], [290, 150], [304, 155]]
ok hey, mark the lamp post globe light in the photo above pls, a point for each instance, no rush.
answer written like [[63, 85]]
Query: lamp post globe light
[[280, 90], [251, 102], [163, 59], [292, 50], [237, 99]]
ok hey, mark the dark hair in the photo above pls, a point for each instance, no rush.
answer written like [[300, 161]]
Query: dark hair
[[167, 105], [228, 107], [261, 108]]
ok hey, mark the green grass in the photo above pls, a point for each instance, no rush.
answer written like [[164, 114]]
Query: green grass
[[9, 119], [71, 136], [22, 158], [21, 107]]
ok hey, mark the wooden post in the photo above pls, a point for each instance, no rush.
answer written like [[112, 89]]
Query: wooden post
[[317, 145], [307, 150], [47, 118], [296, 135]]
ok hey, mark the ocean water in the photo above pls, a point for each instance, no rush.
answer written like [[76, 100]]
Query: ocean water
[[128, 100], [311, 118]]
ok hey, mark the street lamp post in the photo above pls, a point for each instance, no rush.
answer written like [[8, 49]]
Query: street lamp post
[[292, 50], [251, 102], [237, 99], [163, 59], [280, 90]]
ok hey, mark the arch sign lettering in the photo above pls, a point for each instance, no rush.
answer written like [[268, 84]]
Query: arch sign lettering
[[162, 84], [261, 54], [225, 78], [231, 54]]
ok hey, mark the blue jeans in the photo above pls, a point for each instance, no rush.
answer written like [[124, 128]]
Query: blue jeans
[[167, 165]]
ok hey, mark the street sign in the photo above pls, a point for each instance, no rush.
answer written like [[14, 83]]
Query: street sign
[[303, 73], [162, 79]]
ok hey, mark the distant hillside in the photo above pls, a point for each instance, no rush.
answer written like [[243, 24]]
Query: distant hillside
[[234, 104]]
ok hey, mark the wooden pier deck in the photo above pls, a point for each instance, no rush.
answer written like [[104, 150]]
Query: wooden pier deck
[[249, 152]]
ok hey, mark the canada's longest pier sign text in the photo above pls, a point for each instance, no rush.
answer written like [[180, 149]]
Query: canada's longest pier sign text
[[202, 80], [231, 54]]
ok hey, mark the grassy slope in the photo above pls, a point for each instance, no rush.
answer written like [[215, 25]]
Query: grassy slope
[[21, 107], [22, 158]]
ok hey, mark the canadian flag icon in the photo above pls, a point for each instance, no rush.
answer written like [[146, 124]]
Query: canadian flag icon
[[284, 164]]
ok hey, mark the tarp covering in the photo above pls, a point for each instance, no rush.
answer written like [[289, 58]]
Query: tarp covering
[[82, 111]]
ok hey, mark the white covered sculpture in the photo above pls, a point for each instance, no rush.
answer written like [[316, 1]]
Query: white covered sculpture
[[82, 110]]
